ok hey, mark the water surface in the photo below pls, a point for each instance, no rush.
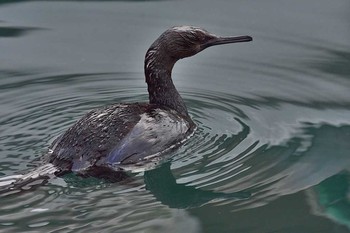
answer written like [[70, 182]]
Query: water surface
[[271, 153]]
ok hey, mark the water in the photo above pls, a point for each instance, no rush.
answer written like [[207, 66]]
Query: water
[[271, 153]]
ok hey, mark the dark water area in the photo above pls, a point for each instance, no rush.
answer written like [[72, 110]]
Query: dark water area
[[272, 148]]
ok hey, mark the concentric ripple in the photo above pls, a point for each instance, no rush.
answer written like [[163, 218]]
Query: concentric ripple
[[233, 157]]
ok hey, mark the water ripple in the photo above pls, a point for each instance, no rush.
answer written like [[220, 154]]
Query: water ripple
[[245, 153]]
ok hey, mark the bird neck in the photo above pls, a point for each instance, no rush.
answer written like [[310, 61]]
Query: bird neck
[[161, 89]]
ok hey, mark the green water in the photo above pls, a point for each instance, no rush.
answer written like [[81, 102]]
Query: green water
[[272, 149]]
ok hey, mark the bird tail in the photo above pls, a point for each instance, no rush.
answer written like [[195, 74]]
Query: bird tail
[[25, 181]]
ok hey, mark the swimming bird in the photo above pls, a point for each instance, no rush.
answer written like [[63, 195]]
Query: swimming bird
[[106, 139]]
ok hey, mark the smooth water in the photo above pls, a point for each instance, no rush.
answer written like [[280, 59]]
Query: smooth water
[[272, 149]]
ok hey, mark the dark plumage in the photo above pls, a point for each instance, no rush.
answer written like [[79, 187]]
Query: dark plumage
[[119, 135], [106, 140]]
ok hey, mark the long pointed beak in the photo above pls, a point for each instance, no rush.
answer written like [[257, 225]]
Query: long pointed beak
[[226, 40]]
